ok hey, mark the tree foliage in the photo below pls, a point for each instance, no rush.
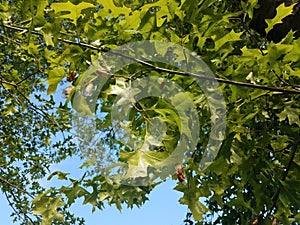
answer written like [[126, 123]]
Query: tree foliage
[[255, 177]]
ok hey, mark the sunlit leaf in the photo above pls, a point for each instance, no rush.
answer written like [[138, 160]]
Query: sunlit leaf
[[282, 12], [74, 11]]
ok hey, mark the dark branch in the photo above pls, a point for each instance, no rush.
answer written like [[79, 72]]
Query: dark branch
[[196, 76], [31, 105], [284, 176], [21, 209], [15, 186], [12, 206], [249, 32], [21, 81]]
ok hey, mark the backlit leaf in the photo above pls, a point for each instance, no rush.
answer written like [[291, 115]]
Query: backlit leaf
[[282, 12], [74, 11]]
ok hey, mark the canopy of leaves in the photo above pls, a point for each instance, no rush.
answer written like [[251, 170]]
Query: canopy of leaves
[[255, 176]]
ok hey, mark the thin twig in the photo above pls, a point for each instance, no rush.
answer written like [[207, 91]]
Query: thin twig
[[197, 76], [249, 32], [280, 79], [32, 106], [2, 81], [22, 210], [21, 81], [12, 206], [11, 185], [15, 186], [35, 108], [284, 176]]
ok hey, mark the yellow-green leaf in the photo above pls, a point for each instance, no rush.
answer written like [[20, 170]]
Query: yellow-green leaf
[[282, 11], [47, 207], [54, 77], [48, 38], [198, 209], [74, 10], [231, 36]]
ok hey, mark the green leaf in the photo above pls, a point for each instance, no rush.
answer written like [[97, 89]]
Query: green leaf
[[291, 113], [74, 11], [229, 37], [47, 207], [142, 158], [54, 77], [292, 56], [198, 210], [249, 6], [92, 198], [282, 12], [59, 174], [279, 142], [74, 192], [191, 198], [115, 10], [48, 38]]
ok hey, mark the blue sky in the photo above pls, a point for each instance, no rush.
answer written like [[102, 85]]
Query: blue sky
[[162, 207]]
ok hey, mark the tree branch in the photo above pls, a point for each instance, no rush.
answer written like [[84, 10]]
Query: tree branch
[[196, 76], [11, 205], [284, 176], [31, 105], [21, 81], [11, 185], [15, 186], [249, 32]]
